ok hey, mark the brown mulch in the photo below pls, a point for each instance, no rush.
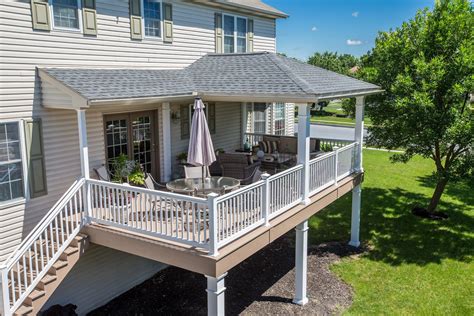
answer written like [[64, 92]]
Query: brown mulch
[[261, 285]]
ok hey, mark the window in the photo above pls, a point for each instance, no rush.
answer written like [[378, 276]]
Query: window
[[279, 118], [235, 34], [259, 117], [11, 166], [152, 18], [66, 13]]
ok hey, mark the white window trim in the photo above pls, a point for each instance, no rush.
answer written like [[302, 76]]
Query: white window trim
[[235, 31], [142, 10], [67, 29], [274, 105], [26, 194], [252, 109]]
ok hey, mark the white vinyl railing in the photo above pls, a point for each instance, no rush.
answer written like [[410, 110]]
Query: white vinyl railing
[[207, 223], [254, 138], [42, 248], [162, 214]]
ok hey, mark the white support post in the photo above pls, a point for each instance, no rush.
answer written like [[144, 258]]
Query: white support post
[[304, 126], [166, 124], [215, 295], [359, 132], [301, 263], [244, 122], [355, 220], [213, 240], [4, 298], [84, 150], [266, 198]]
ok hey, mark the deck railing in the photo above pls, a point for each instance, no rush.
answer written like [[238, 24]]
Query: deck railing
[[207, 223], [254, 138]]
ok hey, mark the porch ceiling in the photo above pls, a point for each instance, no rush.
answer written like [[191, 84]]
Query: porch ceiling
[[264, 76]]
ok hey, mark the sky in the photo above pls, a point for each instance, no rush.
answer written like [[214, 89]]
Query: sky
[[343, 26]]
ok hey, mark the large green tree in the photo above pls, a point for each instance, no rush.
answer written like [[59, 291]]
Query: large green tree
[[426, 67], [340, 63]]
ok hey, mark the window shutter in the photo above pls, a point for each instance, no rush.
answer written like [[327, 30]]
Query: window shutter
[[168, 23], [136, 19], [249, 35], [35, 158], [40, 15], [211, 117], [184, 114], [219, 35], [89, 16]]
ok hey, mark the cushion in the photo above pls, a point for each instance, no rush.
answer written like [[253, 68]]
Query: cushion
[[263, 146], [288, 145]]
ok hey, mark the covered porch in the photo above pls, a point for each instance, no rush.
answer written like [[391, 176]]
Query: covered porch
[[212, 234]]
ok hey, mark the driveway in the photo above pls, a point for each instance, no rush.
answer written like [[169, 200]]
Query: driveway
[[333, 131]]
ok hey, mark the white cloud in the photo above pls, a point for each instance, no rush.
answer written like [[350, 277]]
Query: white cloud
[[355, 14], [353, 42], [314, 29]]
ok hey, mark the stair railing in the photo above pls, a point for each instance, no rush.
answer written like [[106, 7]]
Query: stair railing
[[35, 256]]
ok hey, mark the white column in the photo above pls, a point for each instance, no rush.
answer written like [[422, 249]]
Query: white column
[[359, 131], [244, 122], [303, 146], [301, 263], [166, 125], [4, 299], [215, 295], [84, 149], [355, 220]]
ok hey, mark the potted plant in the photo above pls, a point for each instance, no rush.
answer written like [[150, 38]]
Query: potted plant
[[182, 158], [125, 170]]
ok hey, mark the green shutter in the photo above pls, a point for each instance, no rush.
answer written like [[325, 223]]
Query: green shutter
[[211, 117], [168, 23], [40, 15], [136, 19], [249, 35], [184, 114], [89, 17], [219, 35], [35, 158]]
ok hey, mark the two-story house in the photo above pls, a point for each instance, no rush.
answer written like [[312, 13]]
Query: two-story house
[[84, 81]]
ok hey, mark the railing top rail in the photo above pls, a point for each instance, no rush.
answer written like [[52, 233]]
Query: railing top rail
[[164, 194], [34, 234], [239, 191], [322, 157], [285, 172], [295, 136]]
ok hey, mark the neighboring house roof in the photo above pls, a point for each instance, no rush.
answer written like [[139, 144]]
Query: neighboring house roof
[[254, 6], [238, 77]]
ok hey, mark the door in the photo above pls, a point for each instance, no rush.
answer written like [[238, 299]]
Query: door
[[132, 134]]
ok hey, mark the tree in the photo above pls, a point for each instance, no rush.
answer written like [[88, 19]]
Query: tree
[[426, 67], [334, 62]]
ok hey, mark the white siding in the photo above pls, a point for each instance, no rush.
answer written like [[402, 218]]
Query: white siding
[[111, 269], [22, 49]]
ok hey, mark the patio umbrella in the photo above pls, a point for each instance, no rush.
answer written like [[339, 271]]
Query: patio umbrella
[[200, 150]]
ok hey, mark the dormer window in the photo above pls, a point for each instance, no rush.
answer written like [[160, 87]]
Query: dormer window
[[235, 34]]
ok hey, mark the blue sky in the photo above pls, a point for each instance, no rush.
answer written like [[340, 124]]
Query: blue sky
[[344, 26]]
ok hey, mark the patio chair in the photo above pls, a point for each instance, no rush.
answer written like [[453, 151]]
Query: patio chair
[[103, 173], [196, 172], [238, 166]]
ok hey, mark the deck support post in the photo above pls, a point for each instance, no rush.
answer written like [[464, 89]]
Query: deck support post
[[359, 132], [166, 124], [84, 150], [355, 220], [266, 198], [301, 263], [215, 295], [4, 299], [303, 147], [243, 110]]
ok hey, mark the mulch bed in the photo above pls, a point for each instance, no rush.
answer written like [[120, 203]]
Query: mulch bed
[[263, 284]]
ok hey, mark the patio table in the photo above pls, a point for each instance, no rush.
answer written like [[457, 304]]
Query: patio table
[[210, 184]]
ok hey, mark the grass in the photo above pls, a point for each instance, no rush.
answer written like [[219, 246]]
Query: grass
[[332, 114], [414, 266]]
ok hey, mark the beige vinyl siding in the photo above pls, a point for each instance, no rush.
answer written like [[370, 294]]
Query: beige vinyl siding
[[112, 269], [290, 119], [227, 136]]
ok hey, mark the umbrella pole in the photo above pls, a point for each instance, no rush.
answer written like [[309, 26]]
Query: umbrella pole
[[202, 168]]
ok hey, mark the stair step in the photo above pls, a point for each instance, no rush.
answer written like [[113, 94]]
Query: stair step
[[34, 295], [24, 310]]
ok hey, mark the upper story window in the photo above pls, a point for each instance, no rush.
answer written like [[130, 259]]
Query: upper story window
[[152, 18], [235, 34], [11, 166], [279, 118], [66, 13]]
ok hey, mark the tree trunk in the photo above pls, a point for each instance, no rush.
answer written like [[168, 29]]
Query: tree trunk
[[438, 192]]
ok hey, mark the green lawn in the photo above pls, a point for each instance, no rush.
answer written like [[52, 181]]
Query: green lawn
[[414, 266]]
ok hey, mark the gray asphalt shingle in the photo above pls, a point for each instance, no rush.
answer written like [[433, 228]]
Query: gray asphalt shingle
[[250, 74]]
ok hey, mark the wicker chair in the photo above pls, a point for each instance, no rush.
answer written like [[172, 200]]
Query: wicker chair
[[237, 166]]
